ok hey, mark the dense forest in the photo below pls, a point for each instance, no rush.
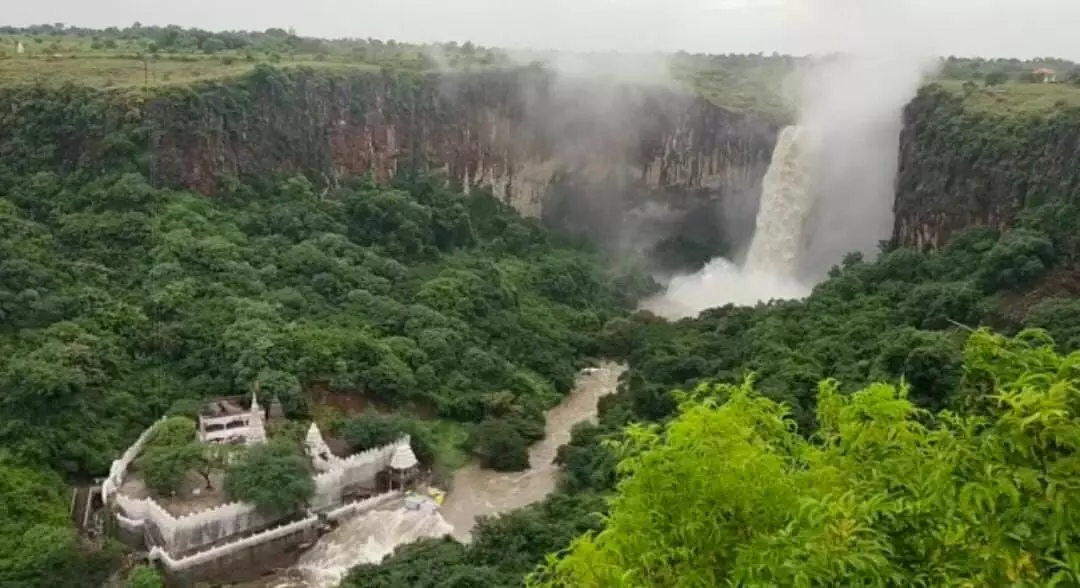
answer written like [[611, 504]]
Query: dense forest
[[908, 317], [884, 494], [793, 398], [461, 322], [122, 302]]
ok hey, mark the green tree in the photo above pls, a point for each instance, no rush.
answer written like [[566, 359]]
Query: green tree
[[371, 430], [164, 468], [272, 476], [996, 78], [213, 45], [38, 545], [500, 447], [885, 494]]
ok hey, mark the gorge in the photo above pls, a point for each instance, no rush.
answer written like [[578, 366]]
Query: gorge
[[393, 246]]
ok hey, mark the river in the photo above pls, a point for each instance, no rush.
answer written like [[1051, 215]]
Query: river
[[475, 492]]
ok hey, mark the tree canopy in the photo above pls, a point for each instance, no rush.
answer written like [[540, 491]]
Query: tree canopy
[[273, 476], [883, 494]]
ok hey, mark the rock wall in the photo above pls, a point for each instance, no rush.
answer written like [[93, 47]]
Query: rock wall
[[516, 131], [965, 163], [573, 149]]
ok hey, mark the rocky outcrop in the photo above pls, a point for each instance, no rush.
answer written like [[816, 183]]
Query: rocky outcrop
[[965, 164], [569, 149], [578, 151]]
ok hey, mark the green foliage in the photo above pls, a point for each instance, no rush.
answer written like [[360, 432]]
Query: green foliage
[[885, 494], [1060, 317], [996, 78], [502, 551], [273, 476], [38, 546], [164, 468], [171, 451], [500, 447], [172, 432], [1017, 259], [121, 301], [272, 289], [142, 576], [374, 430]]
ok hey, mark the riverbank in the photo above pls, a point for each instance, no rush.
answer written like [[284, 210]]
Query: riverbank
[[474, 492], [477, 492]]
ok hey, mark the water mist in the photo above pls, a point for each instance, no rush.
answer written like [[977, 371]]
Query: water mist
[[830, 187]]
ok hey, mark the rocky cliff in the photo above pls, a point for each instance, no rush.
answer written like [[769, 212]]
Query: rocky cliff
[[965, 164], [571, 150]]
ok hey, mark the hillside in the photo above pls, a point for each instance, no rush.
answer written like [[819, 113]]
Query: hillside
[[994, 157], [188, 214], [985, 238], [580, 153]]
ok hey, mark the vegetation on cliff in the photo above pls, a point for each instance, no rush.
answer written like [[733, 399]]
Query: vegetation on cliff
[[967, 161], [139, 55], [121, 301], [884, 494], [40, 547]]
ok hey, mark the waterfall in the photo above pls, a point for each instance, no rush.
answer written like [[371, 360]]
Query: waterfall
[[785, 203], [772, 261]]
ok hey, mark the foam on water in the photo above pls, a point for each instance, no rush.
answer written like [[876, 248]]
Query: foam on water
[[363, 539], [772, 261]]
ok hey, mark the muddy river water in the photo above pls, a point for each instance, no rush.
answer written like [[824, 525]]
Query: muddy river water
[[475, 492]]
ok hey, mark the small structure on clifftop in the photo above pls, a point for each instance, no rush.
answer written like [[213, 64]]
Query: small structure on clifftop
[[1045, 75]]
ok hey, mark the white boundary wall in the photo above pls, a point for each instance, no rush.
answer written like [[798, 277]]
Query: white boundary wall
[[202, 557], [359, 468], [195, 530], [118, 468]]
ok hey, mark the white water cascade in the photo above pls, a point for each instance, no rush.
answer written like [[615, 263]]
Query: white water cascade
[[785, 202], [772, 260], [365, 539]]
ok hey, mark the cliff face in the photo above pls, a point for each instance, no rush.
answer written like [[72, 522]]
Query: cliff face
[[615, 160], [965, 165], [571, 150]]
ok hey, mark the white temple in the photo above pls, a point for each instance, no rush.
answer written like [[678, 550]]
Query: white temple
[[225, 421]]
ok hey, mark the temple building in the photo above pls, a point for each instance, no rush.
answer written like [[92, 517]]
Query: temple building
[[403, 467], [232, 420]]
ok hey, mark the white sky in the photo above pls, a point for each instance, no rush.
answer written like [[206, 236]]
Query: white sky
[[1011, 28]]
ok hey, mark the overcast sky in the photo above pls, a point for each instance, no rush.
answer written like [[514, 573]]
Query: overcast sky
[[1020, 28]]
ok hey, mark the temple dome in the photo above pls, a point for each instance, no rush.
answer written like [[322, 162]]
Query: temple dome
[[403, 458]]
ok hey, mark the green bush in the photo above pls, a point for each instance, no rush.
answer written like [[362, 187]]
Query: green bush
[[273, 476], [500, 447]]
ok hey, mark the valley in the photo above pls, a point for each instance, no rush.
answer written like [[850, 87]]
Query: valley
[[648, 326]]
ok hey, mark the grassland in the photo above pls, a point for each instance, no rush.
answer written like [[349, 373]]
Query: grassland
[[136, 63], [1018, 97], [137, 58], [120, 72]]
